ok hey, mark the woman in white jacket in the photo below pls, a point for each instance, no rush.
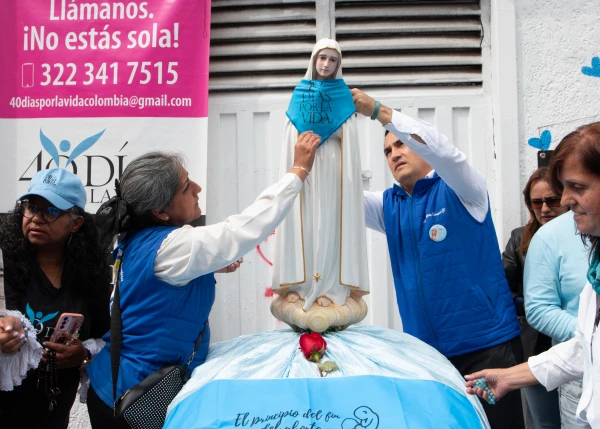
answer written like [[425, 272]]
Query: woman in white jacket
[[575, 169]]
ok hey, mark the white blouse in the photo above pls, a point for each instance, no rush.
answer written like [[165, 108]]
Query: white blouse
[[188, 252], [576, 359]]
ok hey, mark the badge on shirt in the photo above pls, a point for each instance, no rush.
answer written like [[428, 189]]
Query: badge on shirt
[[437, 233]]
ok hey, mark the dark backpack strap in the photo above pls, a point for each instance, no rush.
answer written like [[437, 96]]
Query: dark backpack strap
[[197, 344], [116, 329]]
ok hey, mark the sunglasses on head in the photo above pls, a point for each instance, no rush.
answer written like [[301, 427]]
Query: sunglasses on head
[[553, 202]]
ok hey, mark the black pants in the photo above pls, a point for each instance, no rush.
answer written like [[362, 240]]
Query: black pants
[[27, 405], [507, 413], [101, 415]]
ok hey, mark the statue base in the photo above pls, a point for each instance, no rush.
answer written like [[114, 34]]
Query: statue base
[[318, 318]]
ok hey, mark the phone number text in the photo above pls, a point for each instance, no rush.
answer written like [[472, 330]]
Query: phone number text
[[142, 73]]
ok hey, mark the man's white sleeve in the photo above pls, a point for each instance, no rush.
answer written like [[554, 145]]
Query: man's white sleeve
[[374, 210], [445, 158]]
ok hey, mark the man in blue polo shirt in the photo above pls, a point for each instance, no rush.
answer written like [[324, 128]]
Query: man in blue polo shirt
[[448, 273]]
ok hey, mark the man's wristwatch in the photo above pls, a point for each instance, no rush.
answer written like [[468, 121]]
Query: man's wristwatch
[[87, 359]]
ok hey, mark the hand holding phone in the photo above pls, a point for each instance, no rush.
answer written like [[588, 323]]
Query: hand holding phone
[[67, 328]]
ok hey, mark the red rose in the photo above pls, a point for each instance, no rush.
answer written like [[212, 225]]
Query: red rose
[[313, 346]]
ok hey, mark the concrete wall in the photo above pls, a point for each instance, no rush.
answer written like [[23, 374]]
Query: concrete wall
[[555, 39]]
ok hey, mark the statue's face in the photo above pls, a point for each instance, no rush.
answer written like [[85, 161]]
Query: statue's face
[[326, 63]]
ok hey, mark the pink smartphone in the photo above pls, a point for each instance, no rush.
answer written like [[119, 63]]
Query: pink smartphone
[[67, 325]]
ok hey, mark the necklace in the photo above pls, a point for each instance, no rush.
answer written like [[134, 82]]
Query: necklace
[[54, 282]]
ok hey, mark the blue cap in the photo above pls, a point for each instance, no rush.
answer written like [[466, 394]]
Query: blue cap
[[59, 186]]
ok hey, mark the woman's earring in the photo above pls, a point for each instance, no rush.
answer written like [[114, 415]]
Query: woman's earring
[[167, 217], [70, 238]]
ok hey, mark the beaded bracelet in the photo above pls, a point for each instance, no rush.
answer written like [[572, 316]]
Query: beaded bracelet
[[301, 168], [482, 384], [376, 111], [25, 329]]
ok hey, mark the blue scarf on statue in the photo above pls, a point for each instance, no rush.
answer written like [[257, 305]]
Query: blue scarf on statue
[[320, 106], [593, 274]]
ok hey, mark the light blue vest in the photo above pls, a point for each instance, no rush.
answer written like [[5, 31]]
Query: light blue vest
[[452, 293], [160, 322]]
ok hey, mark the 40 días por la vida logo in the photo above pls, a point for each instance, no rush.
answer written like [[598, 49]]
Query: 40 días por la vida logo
[[107, 167]]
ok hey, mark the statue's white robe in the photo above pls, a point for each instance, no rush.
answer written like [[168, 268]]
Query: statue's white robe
[[320, 248]]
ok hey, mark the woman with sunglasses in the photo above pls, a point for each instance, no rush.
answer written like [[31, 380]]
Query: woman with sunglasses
[[561, 291], [553, 279], [53, 264], [543, 205]]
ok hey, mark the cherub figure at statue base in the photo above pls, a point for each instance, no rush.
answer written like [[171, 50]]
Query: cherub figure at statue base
[[293, 297], [319, 318]]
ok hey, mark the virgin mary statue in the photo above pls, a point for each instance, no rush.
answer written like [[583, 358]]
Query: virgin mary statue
[[320, 251]]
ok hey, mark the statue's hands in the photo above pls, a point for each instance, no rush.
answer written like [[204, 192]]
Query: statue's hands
[[231, 268], [304, 153]]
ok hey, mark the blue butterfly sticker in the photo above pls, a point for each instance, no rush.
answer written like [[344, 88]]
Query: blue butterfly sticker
[[594, 70], [541, 143], [84, 145], [50, 147], [65, 145]]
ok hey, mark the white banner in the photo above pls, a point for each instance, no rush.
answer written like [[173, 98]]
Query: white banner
[[90, 86]]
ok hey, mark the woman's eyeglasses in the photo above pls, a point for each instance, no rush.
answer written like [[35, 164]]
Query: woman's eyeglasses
[[50, 213], [553, 203]]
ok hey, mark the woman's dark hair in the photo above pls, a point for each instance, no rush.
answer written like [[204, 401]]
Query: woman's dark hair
[[539, 175], [584, 145], [85, 266], [149, 182]]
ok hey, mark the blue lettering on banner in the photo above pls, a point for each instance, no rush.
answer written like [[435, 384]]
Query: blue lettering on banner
[[368, 402], [99, 170]]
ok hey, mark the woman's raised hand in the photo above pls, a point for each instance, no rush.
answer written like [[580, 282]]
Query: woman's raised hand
[[304, 153], [232, 267]]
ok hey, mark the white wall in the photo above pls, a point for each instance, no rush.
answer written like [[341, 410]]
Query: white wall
[[555, 39]]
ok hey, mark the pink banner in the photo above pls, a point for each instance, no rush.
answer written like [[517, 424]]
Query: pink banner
[[103, 58]]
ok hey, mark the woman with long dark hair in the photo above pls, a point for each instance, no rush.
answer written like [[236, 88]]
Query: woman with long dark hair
[[53, 264]]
